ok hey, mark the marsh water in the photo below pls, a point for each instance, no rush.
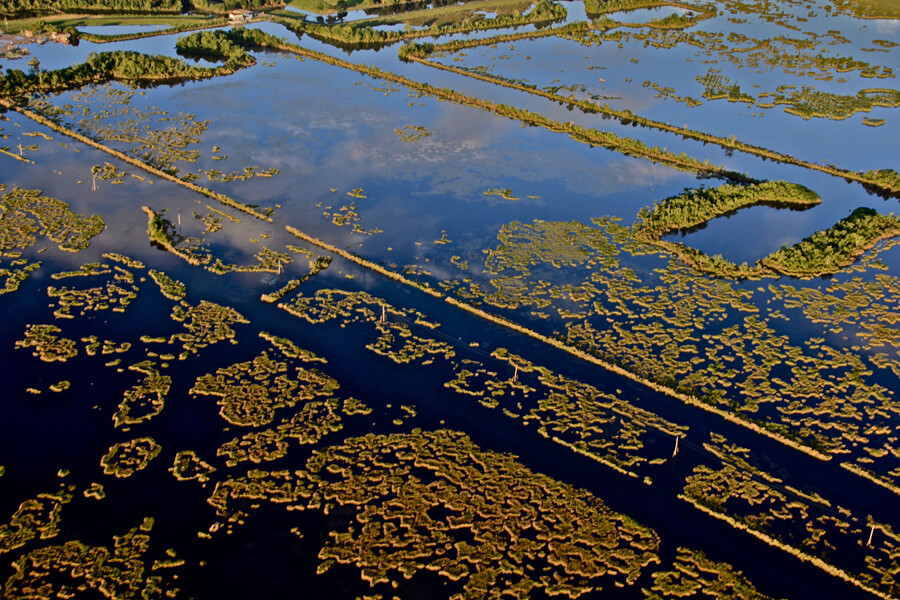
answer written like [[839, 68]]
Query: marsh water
[[515, 220]]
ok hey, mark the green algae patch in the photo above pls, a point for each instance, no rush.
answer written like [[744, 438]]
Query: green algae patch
[[435, 502], [126, 458]]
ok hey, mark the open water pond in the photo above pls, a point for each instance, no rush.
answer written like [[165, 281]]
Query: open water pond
[[684, 76], [314, 329]]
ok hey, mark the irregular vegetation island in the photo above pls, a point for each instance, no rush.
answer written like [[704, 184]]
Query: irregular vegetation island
[[377, 299]]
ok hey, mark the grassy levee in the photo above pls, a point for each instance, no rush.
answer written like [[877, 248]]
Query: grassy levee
[[363, 34], [884, 181], [601, 7], [800, 554], [368, 264], [874, 478], [623, 145], [222, 198], [512, 325], [124, 37], [16, 156]]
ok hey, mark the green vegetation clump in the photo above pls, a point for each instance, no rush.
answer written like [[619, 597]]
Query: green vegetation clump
[[126, 458], [15, 274], [398, 343], [868, 9], [228, 46], [120, 65], [599, 7], [601, 426], [48, 346], [35, 518], [694, 575], [189, 466], [30, 7], [116, 295], [121, 571], [312, 422], [26, 214], [250, 392], [170, 288], [823, 253], [146, 399], [125, 260], [291, 350], [362, 34], [412, 133], [206, 323]]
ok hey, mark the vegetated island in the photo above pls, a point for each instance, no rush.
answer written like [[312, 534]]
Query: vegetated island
[[824, 253]]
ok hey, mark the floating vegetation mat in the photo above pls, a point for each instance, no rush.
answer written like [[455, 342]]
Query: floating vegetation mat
[[706, 338], [27, 214], [806, 525], [536, 423], [75, 568], [576, 415], [436, 502], [696, 576]]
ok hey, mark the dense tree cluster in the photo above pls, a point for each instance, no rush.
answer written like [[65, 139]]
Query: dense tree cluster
[[826, 251], [131, 66], [33, 7], [27, 8]]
